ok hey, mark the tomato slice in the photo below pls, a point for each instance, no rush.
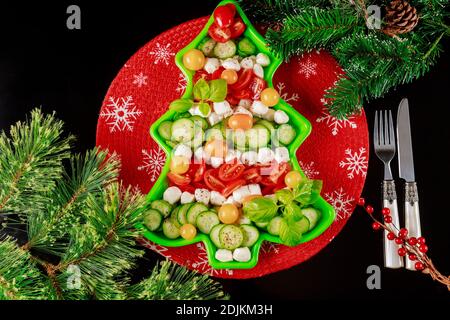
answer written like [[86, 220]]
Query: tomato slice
[[232, 100], [178, 179], [277, 173], [212, 181], [219, 34], [267, 190], [223, 16], [187, 188], [237, 28], [230, 171], [242, 94], [252, 175], [217, 74], [196, 171], [201, 74], [257, 86], [232, 186], [244, 80]]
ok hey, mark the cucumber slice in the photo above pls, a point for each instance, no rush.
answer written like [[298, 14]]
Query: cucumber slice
[[197, 141], [152, 219], [286, 134], [239, 138], [170, 230], [231, 237], [181, 215], [165, 130], [194, 211], [225, 50], [171, 144], [274, 226], [207, 46], [262, 225], [257, 137], [206, 221], [181, 115], [200, 122], [214, 235], [251, 235], [246, 48], [267, 124], [174, 216], [213, 134], [162, 206], [313, 215], [182, 130], [304, 225]]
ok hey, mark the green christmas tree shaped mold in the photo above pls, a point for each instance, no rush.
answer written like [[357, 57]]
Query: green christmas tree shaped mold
[[303, 129]]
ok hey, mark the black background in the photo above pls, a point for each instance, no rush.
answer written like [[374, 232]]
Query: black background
[[42, 63]]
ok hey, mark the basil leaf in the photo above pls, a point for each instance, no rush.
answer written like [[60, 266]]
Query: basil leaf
[[218, 90], [290, 232], [201, 90], [204, 108], [181, 105], [284, 196], [308, 192], [260, 209], [293, 212]]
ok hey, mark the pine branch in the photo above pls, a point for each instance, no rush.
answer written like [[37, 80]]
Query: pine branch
[[89, 174], [103, 248], [20, 279], [30, 162], [171, 282], [313, 29]]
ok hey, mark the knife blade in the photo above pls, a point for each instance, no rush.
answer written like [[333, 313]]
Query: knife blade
[[404, 142], [406, 170]]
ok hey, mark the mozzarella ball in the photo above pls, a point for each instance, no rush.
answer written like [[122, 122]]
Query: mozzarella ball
[[233, 155], [187, 197], [211, 65], [282, 154], [224, 255], [281, 117], [242, 254], [269, 115], [216, 162], [222, 108], [217, 199], [265, 155], [242, 110], [247, 63], [249, 158], [231, 64], [172, 195], [258, 71], [259, 108], [262, 59], [182, 150], [214, 118], [254, 189], [202, 195], [199, 155], [241, 193], [246, 103]]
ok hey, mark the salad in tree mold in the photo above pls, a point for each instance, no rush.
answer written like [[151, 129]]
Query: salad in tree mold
[[232, 179]]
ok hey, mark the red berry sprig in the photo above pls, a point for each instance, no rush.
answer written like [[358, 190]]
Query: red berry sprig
[[414, 249]]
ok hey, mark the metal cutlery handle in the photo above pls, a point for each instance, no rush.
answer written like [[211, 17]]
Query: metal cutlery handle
[[412, 216], [391, 258]]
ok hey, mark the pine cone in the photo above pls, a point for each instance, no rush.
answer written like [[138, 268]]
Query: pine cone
[[400, 18]]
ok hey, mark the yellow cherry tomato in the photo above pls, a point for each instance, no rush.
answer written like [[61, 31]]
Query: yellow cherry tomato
[[251, 197], [228, 213], [179, 165], [230, 76], [188, 231], [270, 97], [240, 121], [293, 179], [216, 148], [194, 59]]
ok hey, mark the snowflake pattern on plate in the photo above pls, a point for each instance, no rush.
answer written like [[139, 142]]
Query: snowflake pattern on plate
[[201, 264], [155, 247], [140, 80], [153, 162], [309, 169], [270, 247], [182, 83], [355, 163], [334, 123], [162, 53], [284, 94], [120, 114], [307, 68], [341, 202]]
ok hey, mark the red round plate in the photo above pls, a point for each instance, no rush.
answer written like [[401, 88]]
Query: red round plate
[[336, 151]]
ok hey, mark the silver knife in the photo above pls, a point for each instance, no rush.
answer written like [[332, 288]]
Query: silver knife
[[406, 170]]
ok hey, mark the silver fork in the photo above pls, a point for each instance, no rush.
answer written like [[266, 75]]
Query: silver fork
[[384, 145]]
